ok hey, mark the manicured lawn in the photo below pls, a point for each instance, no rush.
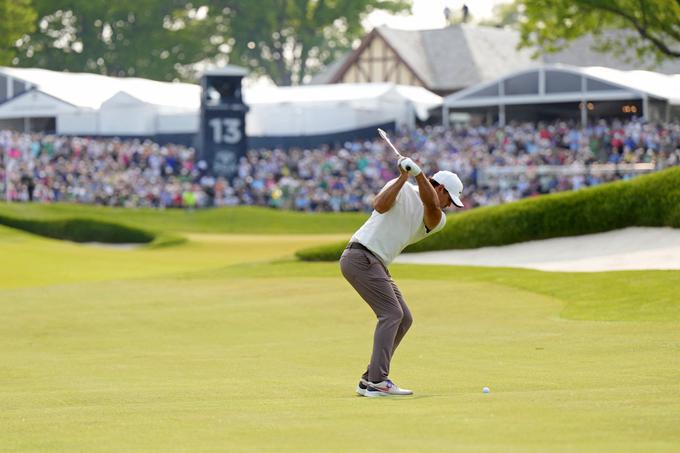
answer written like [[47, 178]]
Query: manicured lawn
[[225, 343]]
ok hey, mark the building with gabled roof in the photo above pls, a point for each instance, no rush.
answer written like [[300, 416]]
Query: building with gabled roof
[[453, 58], [442, 60]]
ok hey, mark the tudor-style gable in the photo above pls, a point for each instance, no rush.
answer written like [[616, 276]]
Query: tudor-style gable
[[375, 60]]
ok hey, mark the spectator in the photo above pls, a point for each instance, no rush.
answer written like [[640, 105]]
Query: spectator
[[142, 173]]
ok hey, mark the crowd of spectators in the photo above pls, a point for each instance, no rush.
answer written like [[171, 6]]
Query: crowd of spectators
[[136, 173]]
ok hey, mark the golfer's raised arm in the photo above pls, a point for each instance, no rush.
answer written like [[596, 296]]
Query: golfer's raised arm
[[433, 213], [384, 201]]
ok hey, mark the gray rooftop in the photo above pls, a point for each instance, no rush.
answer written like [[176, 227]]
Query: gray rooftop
[[459, 56], [326, 75], [411, 47]]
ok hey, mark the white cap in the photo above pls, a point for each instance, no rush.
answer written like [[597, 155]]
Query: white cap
[[452, 184]]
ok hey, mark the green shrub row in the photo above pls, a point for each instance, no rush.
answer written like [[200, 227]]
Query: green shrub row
[[82, 230], [649, 200]]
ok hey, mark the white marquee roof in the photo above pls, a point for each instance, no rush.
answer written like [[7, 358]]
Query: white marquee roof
[[421, 98], [662, 86], [91, 90], [570, 83], [90, 103]]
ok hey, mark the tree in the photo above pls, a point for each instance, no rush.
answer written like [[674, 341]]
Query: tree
[[163, 39], [288, 40], [18, 18], [504, 15], [649, 28], [146, 38]]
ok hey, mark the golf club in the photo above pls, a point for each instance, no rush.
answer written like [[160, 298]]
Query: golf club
[[384, 136]]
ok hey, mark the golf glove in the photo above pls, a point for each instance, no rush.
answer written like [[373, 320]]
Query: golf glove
[[407, 162]]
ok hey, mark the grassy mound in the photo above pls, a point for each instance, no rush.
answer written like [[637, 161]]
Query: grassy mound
[[81, 223], [233, 220], [81, 230], [650, 200]]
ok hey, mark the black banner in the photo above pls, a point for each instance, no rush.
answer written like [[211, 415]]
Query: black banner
[[224, 140]]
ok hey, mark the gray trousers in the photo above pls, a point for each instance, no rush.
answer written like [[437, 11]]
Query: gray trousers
[[371, 279]]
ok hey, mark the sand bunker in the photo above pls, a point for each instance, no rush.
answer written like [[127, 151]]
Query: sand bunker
[[627, 249]]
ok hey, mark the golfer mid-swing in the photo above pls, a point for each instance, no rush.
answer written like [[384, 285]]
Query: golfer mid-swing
[[404, 213]]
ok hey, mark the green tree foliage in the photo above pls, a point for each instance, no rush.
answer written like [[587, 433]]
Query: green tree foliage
[[17, 18], [504, 15], [146, 38], [291, 39], [162, 39], [651, 28]]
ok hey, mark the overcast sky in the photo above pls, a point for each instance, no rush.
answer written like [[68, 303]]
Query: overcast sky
[[430, 13]]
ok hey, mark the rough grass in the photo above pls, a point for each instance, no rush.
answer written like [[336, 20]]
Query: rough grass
[[224, 343]]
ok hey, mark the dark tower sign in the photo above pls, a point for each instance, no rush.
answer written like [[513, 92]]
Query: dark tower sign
[[223, 120]]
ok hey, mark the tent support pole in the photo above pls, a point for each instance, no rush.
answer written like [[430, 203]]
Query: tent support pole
[[584, 113]]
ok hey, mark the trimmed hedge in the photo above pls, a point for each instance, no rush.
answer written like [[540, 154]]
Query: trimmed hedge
[[83, 230], [329, 252], [650, 200]]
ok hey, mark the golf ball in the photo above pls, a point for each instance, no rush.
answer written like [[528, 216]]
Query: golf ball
[[485, 390]]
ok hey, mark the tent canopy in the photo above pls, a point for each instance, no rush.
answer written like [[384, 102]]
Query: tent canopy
[[558, 83], [95, 104], [91, 90], [320, 109], [422, 99]]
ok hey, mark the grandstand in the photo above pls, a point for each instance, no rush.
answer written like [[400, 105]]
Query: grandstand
[[497, 165]]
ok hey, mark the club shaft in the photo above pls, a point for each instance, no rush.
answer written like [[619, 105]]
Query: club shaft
[[389, 142], [393, 148]]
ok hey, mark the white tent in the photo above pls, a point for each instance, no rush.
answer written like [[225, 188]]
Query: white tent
[[322, 109], [35, 103], [90, 104], [658, 94]]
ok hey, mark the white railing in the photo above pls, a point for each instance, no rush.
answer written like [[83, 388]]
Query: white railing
[[490, 176]]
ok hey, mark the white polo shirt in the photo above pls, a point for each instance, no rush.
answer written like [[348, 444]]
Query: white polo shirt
[[386, 235]]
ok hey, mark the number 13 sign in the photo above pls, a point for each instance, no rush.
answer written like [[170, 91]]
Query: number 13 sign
[[226, 130], [224, 140]]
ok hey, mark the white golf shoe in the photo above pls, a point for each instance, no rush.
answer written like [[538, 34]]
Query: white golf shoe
[[362, 386], [385, 388]]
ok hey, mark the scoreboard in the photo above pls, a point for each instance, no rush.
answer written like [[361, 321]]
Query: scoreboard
[[223, 137]]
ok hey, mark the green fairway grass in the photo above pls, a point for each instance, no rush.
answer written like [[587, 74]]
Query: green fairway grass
[[225, 343], [241, 219]]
